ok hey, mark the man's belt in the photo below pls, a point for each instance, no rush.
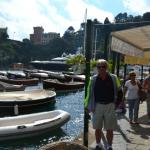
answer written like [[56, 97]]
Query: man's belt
[[104, 103]]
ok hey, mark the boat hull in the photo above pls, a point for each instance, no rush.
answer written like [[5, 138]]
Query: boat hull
[[21, 81], [62, 86], [32, 124], [25, 101]]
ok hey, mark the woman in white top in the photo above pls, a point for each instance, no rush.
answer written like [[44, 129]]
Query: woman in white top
[[131, 89]]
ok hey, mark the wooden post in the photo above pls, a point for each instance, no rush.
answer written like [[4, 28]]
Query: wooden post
[[88, 47], [141, 73], [118, 64], [113, 62], [125, 72]]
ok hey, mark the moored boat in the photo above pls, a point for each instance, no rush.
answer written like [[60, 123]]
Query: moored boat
[[62, 86], [33, 81], [56, 75], [15, 75], [78, 78], [10, 87], [31, 124], [19, 101], [40, 75]]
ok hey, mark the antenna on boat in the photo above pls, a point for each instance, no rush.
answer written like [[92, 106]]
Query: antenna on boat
[[85, 22]]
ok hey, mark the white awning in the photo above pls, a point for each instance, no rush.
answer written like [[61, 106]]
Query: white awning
[[133, 43], [125, 48]]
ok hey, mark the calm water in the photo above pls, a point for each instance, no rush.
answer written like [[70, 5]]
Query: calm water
[[71, 102]]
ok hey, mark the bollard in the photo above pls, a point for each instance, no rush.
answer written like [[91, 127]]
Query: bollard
[[16, 110]]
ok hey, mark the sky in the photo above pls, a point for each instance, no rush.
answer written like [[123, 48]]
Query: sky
[[20, 16]]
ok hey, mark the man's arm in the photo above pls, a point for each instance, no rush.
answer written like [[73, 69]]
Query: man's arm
[[87, 99]]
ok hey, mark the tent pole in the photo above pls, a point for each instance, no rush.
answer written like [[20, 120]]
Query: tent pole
[[113, 62], [125, 72], [118, 63], [141, 73]]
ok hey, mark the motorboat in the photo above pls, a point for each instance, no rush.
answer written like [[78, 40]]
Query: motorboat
[[62, 86], [11, 87], [32, 81]]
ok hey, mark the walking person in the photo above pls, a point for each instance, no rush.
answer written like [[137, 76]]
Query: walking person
[[146, 86], [100, 100], [131, 89]]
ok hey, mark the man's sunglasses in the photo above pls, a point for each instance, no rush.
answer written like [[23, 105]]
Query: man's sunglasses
[[101, 67], [133, 75]]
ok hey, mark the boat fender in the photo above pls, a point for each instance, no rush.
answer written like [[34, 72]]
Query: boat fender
[[16, 110], [21, 127]]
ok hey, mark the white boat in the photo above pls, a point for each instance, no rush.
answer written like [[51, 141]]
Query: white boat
[[26, 100], [10, 87], [39, 75], [32, 124]]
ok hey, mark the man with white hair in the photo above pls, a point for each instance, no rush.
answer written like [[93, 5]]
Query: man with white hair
[[100, 100]]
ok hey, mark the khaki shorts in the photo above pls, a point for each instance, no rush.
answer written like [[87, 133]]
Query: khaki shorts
[[104, 115]]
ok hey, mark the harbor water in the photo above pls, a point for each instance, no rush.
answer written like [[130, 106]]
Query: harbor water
[[71, 102]]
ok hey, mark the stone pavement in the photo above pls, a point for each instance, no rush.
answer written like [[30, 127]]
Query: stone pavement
[[139, 135], [126, 137], [119, 143]]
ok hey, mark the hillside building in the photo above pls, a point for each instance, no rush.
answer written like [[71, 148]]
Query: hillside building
[[39, 37]]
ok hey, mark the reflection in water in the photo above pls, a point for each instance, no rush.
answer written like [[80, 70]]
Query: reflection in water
[[34, 142]]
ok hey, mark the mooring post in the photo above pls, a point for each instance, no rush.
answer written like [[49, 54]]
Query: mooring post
[[88, 47]]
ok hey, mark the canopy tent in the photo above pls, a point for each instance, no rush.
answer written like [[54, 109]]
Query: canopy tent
[[136, 60], [134, 43]]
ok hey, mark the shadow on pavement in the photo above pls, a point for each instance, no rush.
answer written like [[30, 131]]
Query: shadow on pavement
[[143, 129]]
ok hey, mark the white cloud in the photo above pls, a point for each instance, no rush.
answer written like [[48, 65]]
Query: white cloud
[[137, 6], [20, 16], [77, 11]]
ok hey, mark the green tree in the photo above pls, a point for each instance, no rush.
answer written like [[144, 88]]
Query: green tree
[[69, 37], [106, 21], [121, 17], [146, 16], [137, 18], [75, 60], [130, 18]]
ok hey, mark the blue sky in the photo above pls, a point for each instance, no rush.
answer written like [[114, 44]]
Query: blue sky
[[20, 16]]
